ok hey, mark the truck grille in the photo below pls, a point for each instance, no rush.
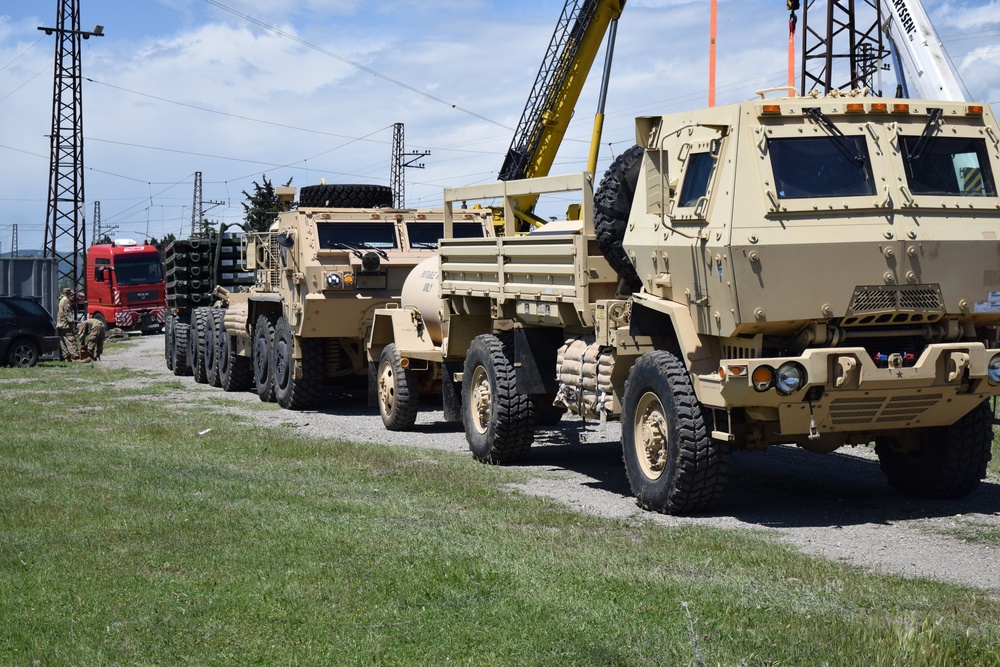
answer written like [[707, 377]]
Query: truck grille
[[880, 411], [894, 304]]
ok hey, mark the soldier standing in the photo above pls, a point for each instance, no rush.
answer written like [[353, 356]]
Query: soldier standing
[[66, 325]]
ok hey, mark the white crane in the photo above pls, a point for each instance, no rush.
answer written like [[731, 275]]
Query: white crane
[[922, 66]]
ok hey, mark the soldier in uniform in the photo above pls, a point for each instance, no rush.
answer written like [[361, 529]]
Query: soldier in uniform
[[91, 337], [66, 325]]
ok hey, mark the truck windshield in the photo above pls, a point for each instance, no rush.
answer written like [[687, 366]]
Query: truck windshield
[[426, 234], [950, 166], [821, 167], [370, 235], [138, 269]]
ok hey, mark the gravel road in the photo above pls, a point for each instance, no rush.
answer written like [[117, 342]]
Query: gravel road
[[837, 506]]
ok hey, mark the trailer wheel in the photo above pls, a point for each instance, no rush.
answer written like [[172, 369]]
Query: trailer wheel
[[211, 353], [672, 463], [942, 462], [196, 344], [612, 205], [260, 344], [296, 393], [235, 371], [169, 342], [398, 398], [340, 195], [498, 420], [181, 365]]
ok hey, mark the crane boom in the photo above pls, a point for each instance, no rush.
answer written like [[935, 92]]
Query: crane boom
[[571, 53], [925, 65]]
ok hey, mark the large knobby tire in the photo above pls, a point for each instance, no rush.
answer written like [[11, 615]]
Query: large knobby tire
[[23, 353], [946, 461], [211, 354], [612, 205], [169, 342], [396, 391], [200, 319], [260, 355], [499, 423], [672, 463], [296, 393], [339, 195], [180, 333], [235, 371]]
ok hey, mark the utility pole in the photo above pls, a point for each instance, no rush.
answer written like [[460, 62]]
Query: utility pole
[[13, 241], [198, 223], [65, 227], [401, 160], [97, 222], [842, 50]]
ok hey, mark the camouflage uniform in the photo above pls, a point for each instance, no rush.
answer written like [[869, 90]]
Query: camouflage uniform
[[91, 334], [65, 325]]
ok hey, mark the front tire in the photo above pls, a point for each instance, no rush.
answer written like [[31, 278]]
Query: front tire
[[672, 463], [498, 420], [398, 399], [945, 461]]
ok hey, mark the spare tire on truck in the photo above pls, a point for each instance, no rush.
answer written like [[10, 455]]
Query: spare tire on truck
[[612, 204], [341, 195]]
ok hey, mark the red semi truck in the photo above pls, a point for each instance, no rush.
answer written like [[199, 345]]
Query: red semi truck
[[125, 285]]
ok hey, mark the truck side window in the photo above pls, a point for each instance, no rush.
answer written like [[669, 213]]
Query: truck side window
[[955, 166], [821, 167], [696, 179]]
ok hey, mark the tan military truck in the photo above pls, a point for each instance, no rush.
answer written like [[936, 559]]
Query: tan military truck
[[321, 271], [811, 271]]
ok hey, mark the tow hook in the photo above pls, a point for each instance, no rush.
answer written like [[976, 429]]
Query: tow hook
[[813, 430]]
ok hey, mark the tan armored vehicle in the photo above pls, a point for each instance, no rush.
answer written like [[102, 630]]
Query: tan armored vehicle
[[818, 272], [321, 271]]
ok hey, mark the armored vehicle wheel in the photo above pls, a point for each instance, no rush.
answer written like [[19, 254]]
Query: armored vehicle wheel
[[672, 463], [181, 365], [210, 355], [235, 371], [498, 420], [296, 393], [196, 343], [260, 355], [940, 462], [169, 342], [339, 195], [398, 398], [612, 204]]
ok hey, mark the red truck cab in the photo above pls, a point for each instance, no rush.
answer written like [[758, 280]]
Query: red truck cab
[[125, 285]]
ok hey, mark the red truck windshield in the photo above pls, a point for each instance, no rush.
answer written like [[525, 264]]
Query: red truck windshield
[[138, 269]]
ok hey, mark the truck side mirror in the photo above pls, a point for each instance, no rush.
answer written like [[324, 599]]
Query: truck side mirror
[[285, 240]]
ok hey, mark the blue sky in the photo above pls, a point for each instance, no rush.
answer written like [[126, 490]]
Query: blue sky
[[179, 86]]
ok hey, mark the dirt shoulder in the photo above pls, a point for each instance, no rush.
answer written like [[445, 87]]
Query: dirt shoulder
[[837, 506]]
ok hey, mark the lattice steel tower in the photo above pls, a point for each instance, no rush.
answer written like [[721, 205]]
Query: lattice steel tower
[[65, 226], [197, 206], [400, 161], [842, 48]]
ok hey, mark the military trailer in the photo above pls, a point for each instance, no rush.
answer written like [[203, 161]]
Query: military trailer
[[298, 333], [818, 272]]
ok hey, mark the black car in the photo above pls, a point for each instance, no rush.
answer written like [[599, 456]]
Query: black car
[[26, 331]]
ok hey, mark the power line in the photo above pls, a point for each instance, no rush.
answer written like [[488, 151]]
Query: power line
[[359, 66]]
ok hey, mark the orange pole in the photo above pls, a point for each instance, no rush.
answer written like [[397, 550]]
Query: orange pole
[[713, 19], [791, 55]]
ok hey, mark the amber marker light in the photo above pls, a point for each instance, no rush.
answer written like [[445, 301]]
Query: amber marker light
[[763, 378], [376, 216], [855, 107], [771, 110], [975, 110], [880, 107], [901, 108]]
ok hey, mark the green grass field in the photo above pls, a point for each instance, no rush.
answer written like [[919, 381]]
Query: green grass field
[[126, 538]]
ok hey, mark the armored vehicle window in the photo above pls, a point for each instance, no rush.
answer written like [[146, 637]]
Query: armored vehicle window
[[955, 166], [350, 235], [696, 178], [821, 167], [138, 270], [426, 234]]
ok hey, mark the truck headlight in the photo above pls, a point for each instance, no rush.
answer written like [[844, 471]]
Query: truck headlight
[[334, 281], [993, 370], [789, 378]]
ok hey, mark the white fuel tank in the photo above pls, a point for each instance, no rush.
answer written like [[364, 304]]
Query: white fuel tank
[[421, 290]]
